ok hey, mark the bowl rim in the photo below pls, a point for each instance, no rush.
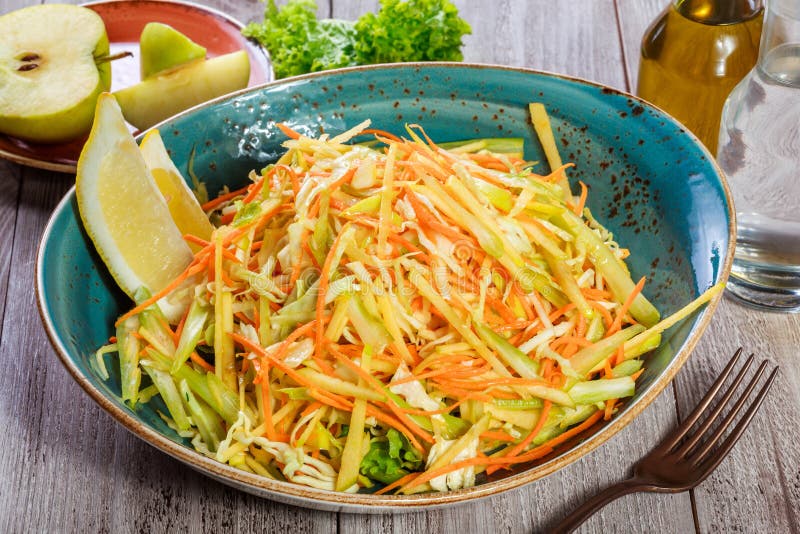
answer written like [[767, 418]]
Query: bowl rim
[[292, 493]]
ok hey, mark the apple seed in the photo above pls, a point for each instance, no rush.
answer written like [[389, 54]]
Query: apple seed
[[27, 66], [30, 57]]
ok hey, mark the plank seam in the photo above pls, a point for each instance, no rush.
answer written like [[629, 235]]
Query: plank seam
[[625, 75], [692, 500], [787, 497], [13, 232]]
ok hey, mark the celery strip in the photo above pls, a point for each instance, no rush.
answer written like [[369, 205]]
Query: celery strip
[[298, 393], [169, 392], [193, 329], [219, 395], [500, 198], [651, 343], [351, 456], [208, 423], [585, 359], [541, 123], [617, 278], [626, 368], [568, 284], [339, 386], [675, 317], [513, 146], [538, 237], [515, 358], [130, 373], [369, 328], [153, 325], [577, 415], [518, 404], [225, 403], [602, 389]]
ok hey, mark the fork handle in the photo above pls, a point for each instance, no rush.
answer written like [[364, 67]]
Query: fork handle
[[584, 511]]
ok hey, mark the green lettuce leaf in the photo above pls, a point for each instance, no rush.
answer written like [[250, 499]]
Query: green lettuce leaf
[[412, 30], [402, 30], [389, 458], [298, 42]]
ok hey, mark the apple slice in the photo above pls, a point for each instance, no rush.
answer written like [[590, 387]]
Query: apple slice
[[163, 48], [53, 65], [155, 99]]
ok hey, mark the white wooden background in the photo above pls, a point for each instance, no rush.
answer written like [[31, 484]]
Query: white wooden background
[[66, 466]]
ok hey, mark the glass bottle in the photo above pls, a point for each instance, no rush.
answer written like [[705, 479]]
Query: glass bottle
[[693, 54], [759, 150]]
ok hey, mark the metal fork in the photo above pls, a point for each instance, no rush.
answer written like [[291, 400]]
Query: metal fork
[[687, 456]]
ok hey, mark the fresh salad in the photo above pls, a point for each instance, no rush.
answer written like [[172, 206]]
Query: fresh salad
[[388, 314], [401, 30]]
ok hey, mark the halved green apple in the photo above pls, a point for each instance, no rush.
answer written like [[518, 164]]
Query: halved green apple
[[163, 48], [155, 99], [53, 65]]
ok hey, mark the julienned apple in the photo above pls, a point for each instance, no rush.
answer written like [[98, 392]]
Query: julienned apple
[[53, 65]]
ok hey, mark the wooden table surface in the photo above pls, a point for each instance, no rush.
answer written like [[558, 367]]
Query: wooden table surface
[[67, 466]]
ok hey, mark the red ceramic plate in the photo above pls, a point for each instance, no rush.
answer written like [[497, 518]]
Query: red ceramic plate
[[124, 20]]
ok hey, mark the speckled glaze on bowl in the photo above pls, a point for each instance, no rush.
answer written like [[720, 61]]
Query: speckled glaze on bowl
[[650, 181]]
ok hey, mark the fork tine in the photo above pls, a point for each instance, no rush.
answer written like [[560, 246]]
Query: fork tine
[[713, 460], [699, 433], [670, 442], [702, 450]]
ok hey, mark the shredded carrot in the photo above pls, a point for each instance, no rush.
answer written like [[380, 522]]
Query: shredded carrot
[[617, 324], [381, 133], [427, 476], [324, 279], [575, 340], [582, 201], [190, 271], [429, 358], [201, 362], [609, 409], [530, 437], [287, 131], [497, 435], [213, 204], [574, 431], [397, 483], [607, 319]]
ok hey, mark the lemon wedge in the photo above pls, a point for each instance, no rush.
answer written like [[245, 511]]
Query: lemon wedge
[[123, 210], [183, 206]]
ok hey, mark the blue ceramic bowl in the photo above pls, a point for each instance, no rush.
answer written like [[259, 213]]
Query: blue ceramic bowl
[[651, 182]]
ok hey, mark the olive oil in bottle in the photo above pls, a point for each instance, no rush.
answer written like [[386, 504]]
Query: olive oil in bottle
[[694, 54]]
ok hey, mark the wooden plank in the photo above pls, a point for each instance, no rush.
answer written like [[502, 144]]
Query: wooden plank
[[578, 38], [10, 176], [634, 18], [66, 466], [757, 488], [253, 10], [538, 34], [67, 463], [75, 469]]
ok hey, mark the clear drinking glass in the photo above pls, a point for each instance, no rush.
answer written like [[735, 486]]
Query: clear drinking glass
[[759, 150]]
